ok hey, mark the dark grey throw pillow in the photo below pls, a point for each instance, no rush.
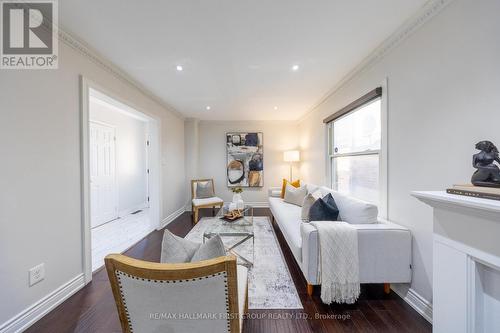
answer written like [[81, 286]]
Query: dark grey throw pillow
[[204, 190], [324, 209]]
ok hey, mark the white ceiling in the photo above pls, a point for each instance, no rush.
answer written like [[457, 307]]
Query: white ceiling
[[236, 54]]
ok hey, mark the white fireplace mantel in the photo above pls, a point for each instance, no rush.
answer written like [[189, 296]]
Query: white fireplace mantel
[[466, 262], [441, 199]]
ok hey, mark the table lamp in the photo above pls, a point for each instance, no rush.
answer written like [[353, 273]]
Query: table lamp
[[291, 156]]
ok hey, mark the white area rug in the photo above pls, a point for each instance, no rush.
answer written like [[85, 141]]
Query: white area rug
[[270, 283]]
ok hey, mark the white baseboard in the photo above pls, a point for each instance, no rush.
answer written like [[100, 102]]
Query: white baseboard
[[255, 204], [417, 302], [171, 217], [29, 316], [258, 204]]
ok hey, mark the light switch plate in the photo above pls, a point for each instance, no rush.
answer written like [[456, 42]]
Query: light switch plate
[[37, 274]]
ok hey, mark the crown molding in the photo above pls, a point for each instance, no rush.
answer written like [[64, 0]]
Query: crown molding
[[430, 9], [87, 51]]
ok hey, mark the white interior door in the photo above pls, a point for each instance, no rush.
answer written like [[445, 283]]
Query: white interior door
[[103, 192]]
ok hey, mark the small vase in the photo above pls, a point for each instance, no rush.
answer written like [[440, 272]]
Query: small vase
[[240, 204], [232, 206], [236, 197]]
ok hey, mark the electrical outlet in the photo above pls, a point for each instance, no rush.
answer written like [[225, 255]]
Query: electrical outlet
[[37, 274]]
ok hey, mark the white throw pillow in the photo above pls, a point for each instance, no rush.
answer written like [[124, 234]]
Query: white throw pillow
[[309, 200], [353, 210], [295, 195]]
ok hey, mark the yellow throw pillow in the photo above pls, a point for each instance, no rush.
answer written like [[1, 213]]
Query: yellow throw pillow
[[294, 184]]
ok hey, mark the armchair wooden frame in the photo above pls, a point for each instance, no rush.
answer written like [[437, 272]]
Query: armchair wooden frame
[[195, 209], [183, 271]]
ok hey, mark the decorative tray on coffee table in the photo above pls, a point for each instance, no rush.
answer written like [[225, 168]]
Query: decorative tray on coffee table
[[231, 216]]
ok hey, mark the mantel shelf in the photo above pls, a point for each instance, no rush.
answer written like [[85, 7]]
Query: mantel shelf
[[440, 198]]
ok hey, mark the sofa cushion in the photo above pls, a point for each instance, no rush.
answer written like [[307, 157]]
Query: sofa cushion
[[295, 195], [207, 201], [288, 218], [353, 210], [324, 209]]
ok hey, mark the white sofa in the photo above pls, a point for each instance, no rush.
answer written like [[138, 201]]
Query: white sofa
[[384, 248]]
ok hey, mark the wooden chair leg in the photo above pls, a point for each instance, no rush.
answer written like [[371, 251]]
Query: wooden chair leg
[[195, 215], [387, 288], [310, 289]]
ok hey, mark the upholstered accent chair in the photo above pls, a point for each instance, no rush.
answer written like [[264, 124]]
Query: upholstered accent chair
[[210, 200], [204, 296]]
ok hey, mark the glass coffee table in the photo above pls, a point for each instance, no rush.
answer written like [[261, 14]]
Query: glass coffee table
[[237, 236]]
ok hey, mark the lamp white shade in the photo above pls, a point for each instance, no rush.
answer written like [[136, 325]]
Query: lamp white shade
[[291, 156]]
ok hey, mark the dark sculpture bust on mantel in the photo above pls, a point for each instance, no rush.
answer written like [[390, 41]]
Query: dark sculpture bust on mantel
[[487, 173]]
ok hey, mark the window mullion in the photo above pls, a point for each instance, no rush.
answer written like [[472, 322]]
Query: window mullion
[[361, 153]]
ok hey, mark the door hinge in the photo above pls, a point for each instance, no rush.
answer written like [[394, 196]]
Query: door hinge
[[148, 199], [147, 143], [147, 171]]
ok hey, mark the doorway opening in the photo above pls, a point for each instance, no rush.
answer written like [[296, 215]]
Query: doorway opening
[[120, 163]]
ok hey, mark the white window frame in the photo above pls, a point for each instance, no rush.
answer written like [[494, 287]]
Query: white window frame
[[383, 208]]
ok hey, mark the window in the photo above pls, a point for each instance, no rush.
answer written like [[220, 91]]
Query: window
[[354, 150]]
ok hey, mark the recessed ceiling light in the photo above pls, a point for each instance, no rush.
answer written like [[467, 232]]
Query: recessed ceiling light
[[295, 68], [276, 108], [208, 108], [179, 68]]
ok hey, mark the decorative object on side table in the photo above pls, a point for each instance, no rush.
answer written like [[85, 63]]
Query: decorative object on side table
[[487, 173]]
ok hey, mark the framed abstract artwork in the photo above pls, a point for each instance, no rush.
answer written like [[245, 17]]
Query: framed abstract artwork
[[245, 159]]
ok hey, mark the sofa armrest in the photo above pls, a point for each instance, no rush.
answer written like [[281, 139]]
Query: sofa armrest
[[310, 252], [384, 253], [274, 191]]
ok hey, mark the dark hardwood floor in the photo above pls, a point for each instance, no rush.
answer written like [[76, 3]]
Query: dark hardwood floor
[[92, 309]]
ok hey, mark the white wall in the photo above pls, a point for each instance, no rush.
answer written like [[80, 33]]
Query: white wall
[[40, 197], [443, 97], [131, 156], [277, 137], [191, 146]]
